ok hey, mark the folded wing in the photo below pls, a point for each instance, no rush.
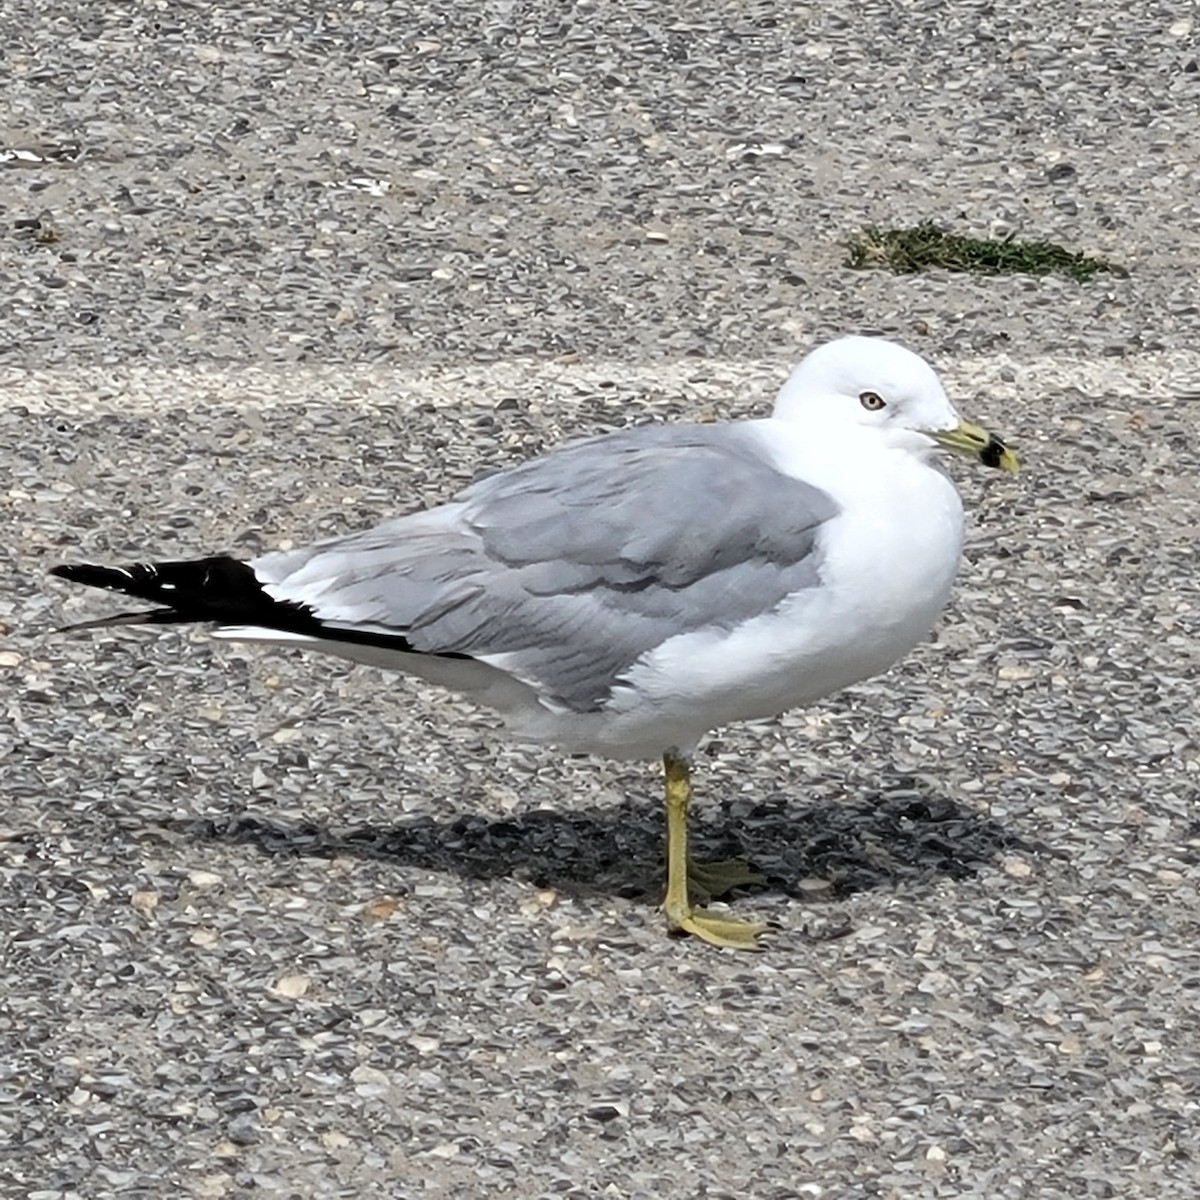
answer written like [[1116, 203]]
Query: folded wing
[[565, 571]]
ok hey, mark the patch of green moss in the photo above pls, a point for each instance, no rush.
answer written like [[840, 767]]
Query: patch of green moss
[[925, 247]]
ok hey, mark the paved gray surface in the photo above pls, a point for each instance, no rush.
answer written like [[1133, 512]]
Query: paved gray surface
[[278, 926], [594, 180]]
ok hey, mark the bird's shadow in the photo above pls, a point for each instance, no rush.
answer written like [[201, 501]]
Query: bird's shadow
[[818, 851]]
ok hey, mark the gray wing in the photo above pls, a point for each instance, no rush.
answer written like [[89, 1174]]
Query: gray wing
[[576, 564]]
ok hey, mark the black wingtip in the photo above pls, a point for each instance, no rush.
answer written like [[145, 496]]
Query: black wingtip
[[218, 588], [130, 580], [114, 578]]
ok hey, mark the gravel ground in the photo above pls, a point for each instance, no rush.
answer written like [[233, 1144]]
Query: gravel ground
[[449, 182], [270, 929]]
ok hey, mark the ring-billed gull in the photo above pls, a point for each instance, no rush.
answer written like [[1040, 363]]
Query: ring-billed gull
[[626, 594]]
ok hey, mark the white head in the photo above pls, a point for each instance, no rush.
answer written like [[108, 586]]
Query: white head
[[875, 384]]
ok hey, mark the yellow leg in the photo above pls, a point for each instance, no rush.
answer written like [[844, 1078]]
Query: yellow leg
[[740, 935]]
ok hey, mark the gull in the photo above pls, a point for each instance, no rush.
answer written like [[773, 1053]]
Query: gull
[[626, 594]]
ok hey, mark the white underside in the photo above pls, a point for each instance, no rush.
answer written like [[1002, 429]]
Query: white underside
[[887, 563]]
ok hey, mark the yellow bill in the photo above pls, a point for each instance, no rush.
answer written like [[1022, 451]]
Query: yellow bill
[[976, 442]]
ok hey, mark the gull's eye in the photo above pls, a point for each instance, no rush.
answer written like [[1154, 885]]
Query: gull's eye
[[872, 401]]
